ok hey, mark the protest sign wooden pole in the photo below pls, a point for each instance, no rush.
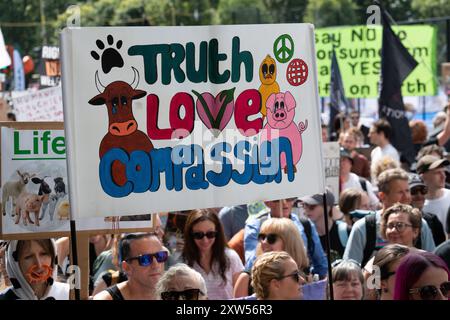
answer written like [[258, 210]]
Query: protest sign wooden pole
[[327, 239]]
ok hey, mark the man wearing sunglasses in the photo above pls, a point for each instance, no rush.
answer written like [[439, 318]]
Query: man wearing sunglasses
[[418, 191], [143, 258]]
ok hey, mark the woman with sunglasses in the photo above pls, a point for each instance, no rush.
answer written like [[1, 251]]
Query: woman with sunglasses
[[275, 276], [422, 276], [205, 250], [143, 257], [401, 224], [385, 263], [348, 280], [275, 235], [181, 282]]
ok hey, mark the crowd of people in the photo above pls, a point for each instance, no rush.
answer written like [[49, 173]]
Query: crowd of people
[[385, 237]]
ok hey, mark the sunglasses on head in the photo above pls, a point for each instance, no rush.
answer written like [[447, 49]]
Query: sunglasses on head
[[295, 276], [270, 238], [189, 294], [431, 292], [337, 262], [201, 235], [145, 260]]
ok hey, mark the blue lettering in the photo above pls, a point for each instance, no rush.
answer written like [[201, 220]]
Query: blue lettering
[[105, 173], [220, 179]]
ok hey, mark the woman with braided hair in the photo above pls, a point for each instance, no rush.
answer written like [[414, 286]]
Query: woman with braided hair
[[275, 276]]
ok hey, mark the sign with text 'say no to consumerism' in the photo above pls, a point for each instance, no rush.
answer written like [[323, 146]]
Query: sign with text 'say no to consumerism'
[[171, 118], [358, 51]]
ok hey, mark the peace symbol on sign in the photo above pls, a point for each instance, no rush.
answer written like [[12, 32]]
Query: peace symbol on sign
[[283, 48]]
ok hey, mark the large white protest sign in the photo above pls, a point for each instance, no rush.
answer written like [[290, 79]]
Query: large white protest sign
[[171, 118], [41, 105], [5, 59]]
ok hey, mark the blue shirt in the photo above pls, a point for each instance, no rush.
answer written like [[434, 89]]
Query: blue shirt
[[317, 256]]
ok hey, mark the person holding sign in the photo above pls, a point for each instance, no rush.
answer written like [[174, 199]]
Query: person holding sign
[[32, 270], [205, 251]]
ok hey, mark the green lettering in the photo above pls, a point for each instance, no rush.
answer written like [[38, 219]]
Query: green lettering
[[17, 149], [238, 58], [59, 145], [214, 58], [200, 75]]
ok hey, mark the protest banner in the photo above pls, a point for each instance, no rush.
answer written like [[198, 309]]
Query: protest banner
[[174, 118], [41, 105], [49, 67], [358, 53]]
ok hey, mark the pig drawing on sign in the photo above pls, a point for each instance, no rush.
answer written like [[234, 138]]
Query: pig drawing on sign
[[12, 189], [28, 203], [280, 123]]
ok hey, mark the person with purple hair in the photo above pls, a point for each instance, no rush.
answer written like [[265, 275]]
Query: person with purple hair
[[422, 276]]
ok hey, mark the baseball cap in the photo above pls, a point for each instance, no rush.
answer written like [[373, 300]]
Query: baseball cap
[[317, 199], [414, 180], [429, 162]]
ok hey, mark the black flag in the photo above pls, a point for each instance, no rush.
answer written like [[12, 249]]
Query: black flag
[[337, 93], [396, 65]]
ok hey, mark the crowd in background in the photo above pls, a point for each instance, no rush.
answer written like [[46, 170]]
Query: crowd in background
[[386, 237]]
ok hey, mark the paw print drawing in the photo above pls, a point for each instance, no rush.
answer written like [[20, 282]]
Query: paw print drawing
[[110, 57]]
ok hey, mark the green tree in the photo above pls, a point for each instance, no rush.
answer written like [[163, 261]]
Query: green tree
[[326, 13], [286, 10], [243, 12]]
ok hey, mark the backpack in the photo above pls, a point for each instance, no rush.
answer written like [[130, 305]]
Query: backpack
[[342, 232], [371, 237], [363, 183]]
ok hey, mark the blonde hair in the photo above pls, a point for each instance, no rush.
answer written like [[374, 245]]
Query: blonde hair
[[383, 164], [267, 267], [385, 178], [286, 229]]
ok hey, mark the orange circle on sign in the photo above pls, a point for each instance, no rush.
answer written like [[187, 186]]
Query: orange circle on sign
[[297, 72]]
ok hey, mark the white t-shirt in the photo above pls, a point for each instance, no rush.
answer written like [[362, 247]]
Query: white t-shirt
[[387, 150], [217, 289], [354, 183], [439, 206]]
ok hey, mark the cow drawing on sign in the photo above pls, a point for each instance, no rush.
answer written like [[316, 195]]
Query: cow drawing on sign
[[122, 127]]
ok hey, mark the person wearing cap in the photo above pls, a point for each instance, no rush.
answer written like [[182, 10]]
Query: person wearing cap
[[338, 230], [432, 171], [279, 209], [365, 238], [351, 180], [418, 191]]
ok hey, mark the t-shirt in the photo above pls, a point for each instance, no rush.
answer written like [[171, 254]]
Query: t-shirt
[[217, 289], [439, 206], [387, 150], [354, 183]]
